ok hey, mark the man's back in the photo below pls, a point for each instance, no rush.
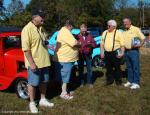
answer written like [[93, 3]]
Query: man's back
[[65, 50]]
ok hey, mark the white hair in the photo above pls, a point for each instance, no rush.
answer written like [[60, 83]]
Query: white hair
[[112, 23]]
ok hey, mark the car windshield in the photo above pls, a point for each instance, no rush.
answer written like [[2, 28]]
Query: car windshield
[[12, 42]]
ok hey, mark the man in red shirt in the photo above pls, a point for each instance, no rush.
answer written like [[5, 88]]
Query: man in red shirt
[[85, 54]]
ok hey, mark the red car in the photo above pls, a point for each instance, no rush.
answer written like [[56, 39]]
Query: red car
[[12, 69]]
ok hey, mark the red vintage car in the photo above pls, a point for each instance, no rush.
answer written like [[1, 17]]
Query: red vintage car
[[12, 69]]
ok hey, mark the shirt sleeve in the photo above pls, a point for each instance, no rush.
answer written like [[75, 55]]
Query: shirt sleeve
[[121, 38], [140, 34], [25, 40]]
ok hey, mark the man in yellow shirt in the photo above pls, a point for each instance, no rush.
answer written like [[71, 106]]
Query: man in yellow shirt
[[132, 53], [66, 54], [37, 59], [112, 48]]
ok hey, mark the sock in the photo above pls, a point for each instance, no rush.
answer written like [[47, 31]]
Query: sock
[[64, 88], [42, 99], [32, 102]]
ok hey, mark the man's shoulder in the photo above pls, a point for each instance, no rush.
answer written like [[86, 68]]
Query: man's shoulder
[[90, 35], [27, 26], [118, 31], [105, 31], [64, 31], [135, 27]]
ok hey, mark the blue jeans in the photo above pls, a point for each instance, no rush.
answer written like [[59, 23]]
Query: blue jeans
[[133, 66], [63, 71], [88, 60], [41, 75]]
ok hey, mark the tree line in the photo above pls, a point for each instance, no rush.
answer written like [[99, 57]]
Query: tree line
[[94, 13]]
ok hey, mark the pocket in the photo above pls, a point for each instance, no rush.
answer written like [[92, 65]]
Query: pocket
[[35, 71]]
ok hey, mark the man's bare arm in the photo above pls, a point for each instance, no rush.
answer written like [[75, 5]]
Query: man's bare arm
[[102, 50], [29, 57]]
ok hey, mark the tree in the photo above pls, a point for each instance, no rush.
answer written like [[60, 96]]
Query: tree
[[15, 14], [92, 12], [3, 11], [1, 4], [47, 6], [15, 6]]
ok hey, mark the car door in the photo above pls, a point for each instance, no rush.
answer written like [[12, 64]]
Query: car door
[[1, 58]]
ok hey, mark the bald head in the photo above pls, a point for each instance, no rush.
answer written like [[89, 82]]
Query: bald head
[[127, 23]]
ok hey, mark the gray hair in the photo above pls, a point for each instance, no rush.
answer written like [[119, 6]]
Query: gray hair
[[112, 23]]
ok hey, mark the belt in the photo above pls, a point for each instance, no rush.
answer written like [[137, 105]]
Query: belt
[[133, 49], [110, 52]]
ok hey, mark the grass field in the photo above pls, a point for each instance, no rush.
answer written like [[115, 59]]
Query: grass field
[[100, 100]]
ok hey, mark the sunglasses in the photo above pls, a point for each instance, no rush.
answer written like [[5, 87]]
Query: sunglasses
[[108, 26]]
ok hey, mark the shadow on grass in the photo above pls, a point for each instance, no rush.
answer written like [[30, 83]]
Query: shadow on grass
[[75, 81], [54, 87]]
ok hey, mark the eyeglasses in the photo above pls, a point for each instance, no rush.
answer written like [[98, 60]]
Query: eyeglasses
[[108, 26]]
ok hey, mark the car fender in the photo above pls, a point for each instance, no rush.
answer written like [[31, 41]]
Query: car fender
[[7, 82]]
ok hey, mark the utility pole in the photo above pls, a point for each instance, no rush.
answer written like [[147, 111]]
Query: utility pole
[[143, 15]]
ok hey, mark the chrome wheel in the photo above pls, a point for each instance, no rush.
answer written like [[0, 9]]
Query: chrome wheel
[[21, 89], [98, 62]]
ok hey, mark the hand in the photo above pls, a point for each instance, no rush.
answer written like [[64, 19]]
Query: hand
[[79, 44], [120, 56], [33, 67], [102, 56], [137, 46]]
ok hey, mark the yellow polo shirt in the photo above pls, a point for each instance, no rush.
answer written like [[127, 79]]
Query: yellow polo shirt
[[65, 50], [130, 34], [31, 38], [108, 45]]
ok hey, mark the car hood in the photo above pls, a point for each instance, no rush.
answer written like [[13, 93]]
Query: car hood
[[17, 54]]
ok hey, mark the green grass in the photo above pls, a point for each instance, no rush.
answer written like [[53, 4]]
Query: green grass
[[100, 100]]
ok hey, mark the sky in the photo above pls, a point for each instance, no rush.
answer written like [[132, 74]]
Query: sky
[[6, 2]]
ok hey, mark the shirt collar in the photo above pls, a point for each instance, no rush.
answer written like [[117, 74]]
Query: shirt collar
[[85, 34], [31, 23], [112, 31], [130, 27]]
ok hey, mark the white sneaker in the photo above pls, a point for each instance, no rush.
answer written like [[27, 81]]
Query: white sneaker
[[33, 108], [66, 96], [45, 103], [128, 84], [135, 86], [90, 86]]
